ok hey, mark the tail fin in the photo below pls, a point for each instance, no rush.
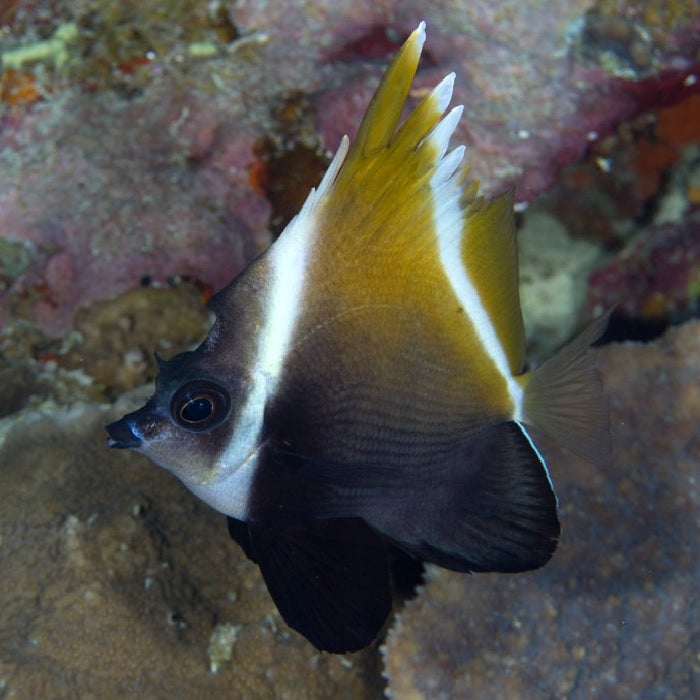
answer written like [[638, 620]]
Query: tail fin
[[564, 398]]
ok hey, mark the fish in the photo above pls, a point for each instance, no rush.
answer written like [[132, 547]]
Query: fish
[[364, 384]]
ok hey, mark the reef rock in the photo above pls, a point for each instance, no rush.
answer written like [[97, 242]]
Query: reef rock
[[615, 614], [655, 278], [115, 582]]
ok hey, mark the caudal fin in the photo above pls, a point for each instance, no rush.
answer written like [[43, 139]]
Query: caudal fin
[[564, 397]]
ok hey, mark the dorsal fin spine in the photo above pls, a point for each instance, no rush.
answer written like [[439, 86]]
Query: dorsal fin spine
[[384, 112]]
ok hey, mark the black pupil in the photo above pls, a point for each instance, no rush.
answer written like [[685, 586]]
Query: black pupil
[[196, 410]]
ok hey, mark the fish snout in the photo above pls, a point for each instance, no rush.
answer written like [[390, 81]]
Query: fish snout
[[121, 435]]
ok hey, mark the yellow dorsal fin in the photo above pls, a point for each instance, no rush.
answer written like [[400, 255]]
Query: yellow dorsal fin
[[386, 238], [385, 172], [383, 191], [384, 111]]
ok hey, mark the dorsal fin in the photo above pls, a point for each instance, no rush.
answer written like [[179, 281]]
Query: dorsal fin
[[384, 111], [490, 254], [389, 174], [382, 243]]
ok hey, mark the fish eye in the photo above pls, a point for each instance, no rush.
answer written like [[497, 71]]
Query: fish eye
[[200, 405]]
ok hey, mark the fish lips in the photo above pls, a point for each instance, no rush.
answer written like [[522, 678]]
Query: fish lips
[[121, 435]]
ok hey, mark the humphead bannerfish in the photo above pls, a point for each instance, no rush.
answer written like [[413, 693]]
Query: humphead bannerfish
[[364, 383]]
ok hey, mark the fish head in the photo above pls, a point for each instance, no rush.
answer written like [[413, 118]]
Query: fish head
[[205, 421], [187, 423]]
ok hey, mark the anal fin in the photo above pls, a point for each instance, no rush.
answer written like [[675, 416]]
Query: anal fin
[[492, 509]]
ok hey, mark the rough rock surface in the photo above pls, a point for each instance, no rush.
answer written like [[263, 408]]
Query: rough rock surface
[[615, 614], [655, 277], [116, 582]]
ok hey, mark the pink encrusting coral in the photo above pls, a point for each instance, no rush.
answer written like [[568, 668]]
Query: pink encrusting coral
[[122, 191], [138, 164], [538, 84], [655, 278]]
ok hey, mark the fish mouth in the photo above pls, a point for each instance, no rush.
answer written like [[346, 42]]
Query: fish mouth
[[121, 436]]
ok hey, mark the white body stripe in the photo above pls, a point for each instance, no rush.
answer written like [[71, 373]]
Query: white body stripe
[[288, 258], [449, 225]]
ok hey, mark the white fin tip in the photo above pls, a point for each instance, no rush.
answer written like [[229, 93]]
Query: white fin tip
[[448, 165], [419, 31], [443, 91], [316, 194], [442, 132]]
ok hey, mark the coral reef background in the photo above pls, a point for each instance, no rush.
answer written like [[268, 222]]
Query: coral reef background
[[149, 150], [148, 140]]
